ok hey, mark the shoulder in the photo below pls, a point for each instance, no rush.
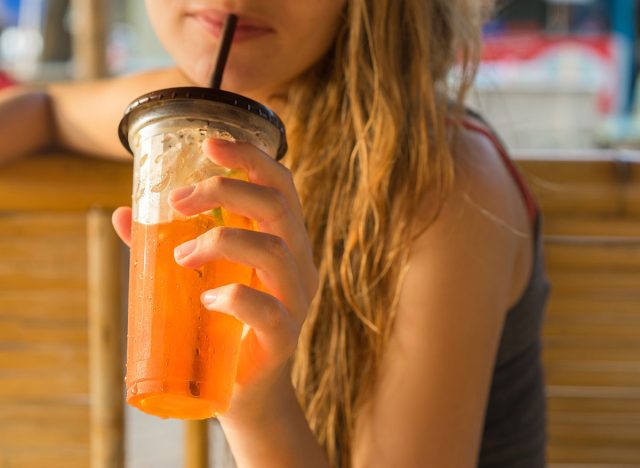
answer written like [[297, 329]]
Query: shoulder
[[454, 295], [484, 216], [483, 225]]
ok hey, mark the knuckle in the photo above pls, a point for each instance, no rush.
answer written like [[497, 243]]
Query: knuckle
[[236, 293], [285, 174], [215, 237], [292, 334], [273, 315], [277, 247], [212, 184], [278, 204]]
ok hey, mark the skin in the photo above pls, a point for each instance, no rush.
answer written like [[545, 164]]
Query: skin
[[260, 66], [464, 272]]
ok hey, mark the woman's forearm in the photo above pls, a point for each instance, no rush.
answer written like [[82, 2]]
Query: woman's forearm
[[279, 437], [26, 124]]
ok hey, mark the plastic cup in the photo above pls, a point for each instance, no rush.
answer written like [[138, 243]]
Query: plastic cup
[[182, 358]]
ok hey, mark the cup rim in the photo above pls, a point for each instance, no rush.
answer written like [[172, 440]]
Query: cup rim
[[244, 103]]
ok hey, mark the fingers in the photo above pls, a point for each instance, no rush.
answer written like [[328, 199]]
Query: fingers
[[275, 328], [121, 220], [265, 205], [268, 254], [260, 167], [269, 197]]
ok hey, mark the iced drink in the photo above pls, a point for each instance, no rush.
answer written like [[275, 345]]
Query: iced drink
[[181, 357]]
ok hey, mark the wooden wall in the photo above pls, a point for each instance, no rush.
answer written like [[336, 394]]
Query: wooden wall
[[48, 219], [591, 204]]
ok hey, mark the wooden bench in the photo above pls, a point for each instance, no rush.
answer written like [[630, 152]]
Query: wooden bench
[[591, 204], [61, 317]]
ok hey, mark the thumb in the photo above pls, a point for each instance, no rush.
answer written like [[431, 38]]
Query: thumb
[[121, 220]]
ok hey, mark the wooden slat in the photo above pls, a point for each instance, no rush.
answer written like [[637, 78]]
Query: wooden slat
[[105, 342], [594, 406], [592, 226], [598, 329], [18, 331], [34, 357], [64, 183], [595, 254], [196, 444], [598, 187], [591, 350], [564, 451], [58, 458], [52, 435], [595, 283], [60, 305], [43, 340], [50, 386], [577, 306], [591, 465], [585, 349], [46, 431]]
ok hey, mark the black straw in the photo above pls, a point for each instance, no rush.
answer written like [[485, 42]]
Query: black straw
[[223, 50]]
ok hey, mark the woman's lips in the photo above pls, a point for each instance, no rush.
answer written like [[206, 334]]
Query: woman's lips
[[246, 28]]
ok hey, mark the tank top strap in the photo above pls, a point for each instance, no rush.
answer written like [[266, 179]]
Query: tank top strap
[[475, 123]]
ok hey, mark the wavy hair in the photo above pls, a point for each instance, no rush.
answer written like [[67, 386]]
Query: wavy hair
[[369, 141]]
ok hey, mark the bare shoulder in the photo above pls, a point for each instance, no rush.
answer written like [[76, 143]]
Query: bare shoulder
[[485, 215], [86, 114], [461, 278], [482, 237], [487, 191]]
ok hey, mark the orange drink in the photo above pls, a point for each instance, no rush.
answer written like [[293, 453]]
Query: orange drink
[[181, 357], [182, 360]]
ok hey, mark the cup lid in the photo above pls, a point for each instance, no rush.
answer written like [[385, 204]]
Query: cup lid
[[207, 94]]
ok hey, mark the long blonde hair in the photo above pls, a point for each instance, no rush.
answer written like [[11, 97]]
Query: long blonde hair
[[368, 139]]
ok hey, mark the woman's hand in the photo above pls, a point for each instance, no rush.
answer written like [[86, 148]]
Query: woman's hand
[[275, 305]]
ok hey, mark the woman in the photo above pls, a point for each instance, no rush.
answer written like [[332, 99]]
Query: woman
[[396, 321]]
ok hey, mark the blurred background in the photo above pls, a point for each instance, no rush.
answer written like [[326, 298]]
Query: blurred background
[[559, 80], [556, 73]]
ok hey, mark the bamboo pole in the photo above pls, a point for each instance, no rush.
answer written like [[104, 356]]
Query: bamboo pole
[[105, 343], [89, 39], [196, 444]]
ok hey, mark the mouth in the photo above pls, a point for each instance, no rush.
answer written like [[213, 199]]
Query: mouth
[[246, 29]]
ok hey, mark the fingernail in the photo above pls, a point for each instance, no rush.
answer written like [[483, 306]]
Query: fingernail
[[182, 192], [222, 141], [184, 250], [209, 297], [215, 142]]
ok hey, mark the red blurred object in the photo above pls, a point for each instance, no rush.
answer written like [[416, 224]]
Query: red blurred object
[[5, 80]]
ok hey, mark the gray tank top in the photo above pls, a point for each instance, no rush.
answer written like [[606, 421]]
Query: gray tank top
[[514, 433]]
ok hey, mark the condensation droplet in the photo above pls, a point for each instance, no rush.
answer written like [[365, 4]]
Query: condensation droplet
[[170, 139], [163, 184], [136, 141], [139, 192], [223, 135]]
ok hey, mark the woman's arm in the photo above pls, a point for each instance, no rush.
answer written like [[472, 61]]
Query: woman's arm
[[25, 122], [276, 435], [78, 116], [86, 114]]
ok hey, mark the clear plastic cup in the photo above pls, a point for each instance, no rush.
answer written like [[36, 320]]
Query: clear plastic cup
[[182, 358]]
